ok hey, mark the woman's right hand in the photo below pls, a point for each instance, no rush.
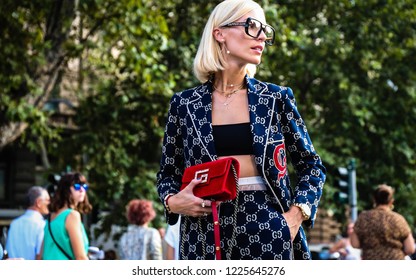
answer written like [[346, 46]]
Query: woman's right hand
[[186, 203]]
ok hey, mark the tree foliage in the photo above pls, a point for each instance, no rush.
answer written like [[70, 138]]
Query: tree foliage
[[126, 86], [33, 39], [350, 64]]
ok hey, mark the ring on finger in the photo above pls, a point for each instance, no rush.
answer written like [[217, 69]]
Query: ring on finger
[[203, 204]]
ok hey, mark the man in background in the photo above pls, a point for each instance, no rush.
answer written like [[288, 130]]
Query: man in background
[[25, 236]]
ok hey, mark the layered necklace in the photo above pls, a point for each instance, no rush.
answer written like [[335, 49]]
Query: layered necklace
[[228, 94]]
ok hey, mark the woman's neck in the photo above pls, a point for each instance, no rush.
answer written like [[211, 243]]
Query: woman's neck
[[385, 207], [225, 81]]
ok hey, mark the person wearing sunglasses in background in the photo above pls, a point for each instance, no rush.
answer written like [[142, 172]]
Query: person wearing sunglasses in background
[[64, 233], [258, 123]]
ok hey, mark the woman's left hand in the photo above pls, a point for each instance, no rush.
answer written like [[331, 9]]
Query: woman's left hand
[[294, 219], [186, 203]]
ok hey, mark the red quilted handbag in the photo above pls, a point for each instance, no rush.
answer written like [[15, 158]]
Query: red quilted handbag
[[219, 183], [219, 179]]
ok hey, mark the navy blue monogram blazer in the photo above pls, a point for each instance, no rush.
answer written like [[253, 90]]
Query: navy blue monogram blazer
[[278, 131]]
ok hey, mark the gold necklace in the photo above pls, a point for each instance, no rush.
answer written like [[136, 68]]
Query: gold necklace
[[232, 85], [228, 95]]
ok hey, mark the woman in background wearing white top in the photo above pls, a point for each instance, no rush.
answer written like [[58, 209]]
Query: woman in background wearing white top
[[172, 241], [140, 242]]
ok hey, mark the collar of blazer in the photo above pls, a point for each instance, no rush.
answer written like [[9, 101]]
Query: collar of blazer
[[261, 102], [253, 86]]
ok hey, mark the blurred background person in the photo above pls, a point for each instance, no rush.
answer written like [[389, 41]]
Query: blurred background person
[[66, 227], [25, 236], [381, 233], [172, 241], [162, 232], [344, 247], [140, 242]]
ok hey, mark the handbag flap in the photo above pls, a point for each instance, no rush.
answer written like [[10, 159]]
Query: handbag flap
[[207, 171]]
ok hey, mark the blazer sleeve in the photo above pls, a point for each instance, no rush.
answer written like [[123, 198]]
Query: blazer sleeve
[[169, 177], [310, 171]]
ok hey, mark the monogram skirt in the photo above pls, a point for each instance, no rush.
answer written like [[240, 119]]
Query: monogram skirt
[[251, 228]]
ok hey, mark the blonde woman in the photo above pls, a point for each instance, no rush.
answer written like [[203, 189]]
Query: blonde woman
[[233, 114]]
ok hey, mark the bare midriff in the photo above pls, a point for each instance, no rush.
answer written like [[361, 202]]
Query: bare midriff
[[247, 165]]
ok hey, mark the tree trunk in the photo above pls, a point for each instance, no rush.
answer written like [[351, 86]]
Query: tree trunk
[[57, 29]]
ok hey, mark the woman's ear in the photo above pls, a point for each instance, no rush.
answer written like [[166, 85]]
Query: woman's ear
[[218, 35]]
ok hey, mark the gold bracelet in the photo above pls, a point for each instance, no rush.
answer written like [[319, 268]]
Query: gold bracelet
[[166, 200]]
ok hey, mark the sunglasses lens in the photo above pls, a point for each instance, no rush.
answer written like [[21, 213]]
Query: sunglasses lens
[[77, 187]]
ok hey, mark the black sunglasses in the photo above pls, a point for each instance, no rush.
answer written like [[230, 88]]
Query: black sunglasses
[[254, 27]]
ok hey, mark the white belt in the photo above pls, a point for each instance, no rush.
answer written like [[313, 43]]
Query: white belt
[[251, 184]]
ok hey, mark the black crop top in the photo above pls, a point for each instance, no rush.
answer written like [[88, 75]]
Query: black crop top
[[233, 139]]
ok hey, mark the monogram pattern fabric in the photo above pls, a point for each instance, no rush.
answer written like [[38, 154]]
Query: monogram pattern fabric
[[278, 130], [261, 231]]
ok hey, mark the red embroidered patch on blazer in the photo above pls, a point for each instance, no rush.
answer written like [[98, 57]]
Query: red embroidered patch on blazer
[[279, 157]]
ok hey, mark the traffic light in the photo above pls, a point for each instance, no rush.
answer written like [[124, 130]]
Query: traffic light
[[341, 196], [347, 187]]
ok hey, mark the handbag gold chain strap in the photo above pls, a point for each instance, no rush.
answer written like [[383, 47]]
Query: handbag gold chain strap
[[230, 248]]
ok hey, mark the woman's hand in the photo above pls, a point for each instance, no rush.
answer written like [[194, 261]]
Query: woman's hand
[[186, 203], [294, 219]]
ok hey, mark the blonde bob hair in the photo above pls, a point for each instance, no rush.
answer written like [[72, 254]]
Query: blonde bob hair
[[210, 58]]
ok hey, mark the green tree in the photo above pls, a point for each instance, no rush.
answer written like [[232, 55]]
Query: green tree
[[110, 52], [123, 100], [350, 64], [33, 37]]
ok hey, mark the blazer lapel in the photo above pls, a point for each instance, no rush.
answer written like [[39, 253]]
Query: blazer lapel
[[199, 109], [261, 106]]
